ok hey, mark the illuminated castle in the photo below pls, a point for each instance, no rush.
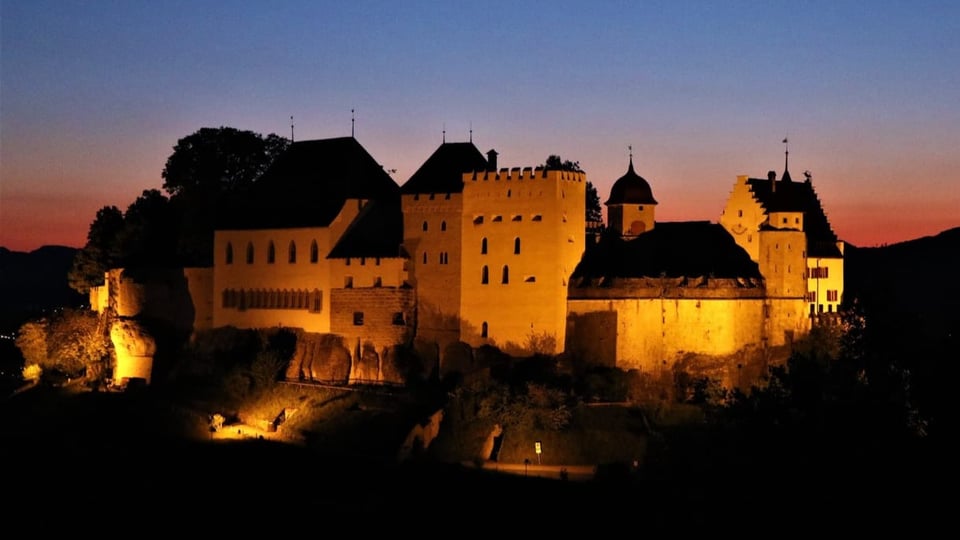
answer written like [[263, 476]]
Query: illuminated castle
[[651, 295], [466, 254]]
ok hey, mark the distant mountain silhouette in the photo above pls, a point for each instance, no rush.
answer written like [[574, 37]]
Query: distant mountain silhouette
[[31, 283], [909, 293], [917, 278]]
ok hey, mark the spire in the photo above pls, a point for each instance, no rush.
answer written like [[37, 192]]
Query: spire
[[352, 122], [786, 161], [630, 148], [444, 139], [291, 129]]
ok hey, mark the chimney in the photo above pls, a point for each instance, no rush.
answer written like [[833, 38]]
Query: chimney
[[492, 160], [772, 177]]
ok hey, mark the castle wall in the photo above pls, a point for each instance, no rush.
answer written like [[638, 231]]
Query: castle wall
[[432, 230], [378, 316], [532, 224], [200, 289], [633, 327]]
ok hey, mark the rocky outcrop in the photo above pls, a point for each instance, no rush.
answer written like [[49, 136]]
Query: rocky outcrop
[[134, 348]]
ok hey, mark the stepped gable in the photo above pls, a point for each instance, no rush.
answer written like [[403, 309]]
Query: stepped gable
[[376, 232], [631, 188], [443, 171], [789, 196], [307, 185], [671, 249]]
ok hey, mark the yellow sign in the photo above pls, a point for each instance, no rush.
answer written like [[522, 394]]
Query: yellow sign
[[536, 445]]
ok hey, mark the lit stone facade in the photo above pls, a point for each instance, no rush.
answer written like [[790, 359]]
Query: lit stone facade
[[767, 217], [523, 234], [468, 254]]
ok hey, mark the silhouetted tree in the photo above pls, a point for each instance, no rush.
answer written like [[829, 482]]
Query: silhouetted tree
[[594, 211], [101, 252], [554, 162], [213, 161], [146, 238], [205, 169]]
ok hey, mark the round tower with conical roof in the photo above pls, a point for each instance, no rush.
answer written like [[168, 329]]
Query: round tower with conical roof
[[631, 206]]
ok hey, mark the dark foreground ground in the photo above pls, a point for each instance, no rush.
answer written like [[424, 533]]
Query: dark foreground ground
[[68, 466]]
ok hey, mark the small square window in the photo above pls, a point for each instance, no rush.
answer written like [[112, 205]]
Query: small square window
[[358, 318], [398, 319]]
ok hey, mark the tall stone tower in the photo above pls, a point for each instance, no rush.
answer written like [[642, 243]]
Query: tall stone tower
[[523, 233]]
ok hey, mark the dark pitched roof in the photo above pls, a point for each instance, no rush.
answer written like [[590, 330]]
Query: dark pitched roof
[[443, 171], [631, 188], [377, 231], [789, 196], [307, 185], [672, 249]]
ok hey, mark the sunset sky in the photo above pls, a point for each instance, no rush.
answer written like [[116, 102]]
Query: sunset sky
[[94, 95]]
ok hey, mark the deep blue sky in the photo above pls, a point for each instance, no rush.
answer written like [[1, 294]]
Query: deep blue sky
[[95, 94]]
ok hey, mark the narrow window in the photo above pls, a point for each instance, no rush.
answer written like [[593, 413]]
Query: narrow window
[[739, 213], [506, 274], [249, 252], [271, 253], [508, 193], [292, 253], [358, 318], [484, 276], [484, 329], [424, 257], [229, 258], [516, 246], [348, 282], [363, 261], [347, 262], [424, 225], [378, 261], [378, 282], [316, 303], [443, 225], [483, 246], [314, 252]]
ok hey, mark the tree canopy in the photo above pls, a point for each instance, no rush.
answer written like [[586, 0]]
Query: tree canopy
[[205, 168], [214, 161]]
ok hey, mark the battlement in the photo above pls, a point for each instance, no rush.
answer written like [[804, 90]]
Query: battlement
[[525, 173]]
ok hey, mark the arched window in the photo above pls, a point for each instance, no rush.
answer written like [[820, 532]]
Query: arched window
[[424, 225], [506, 274], [249, 252], [424, 257], [484, 329], [516, 246], [271, 253], [484, 275], [443, 225], [483, 246], [314, 252], [229, 254], [292, 253]]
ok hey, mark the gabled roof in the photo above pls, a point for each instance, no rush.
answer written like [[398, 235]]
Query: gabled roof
[[377, 231], [631, 188], [443, 171], [789, 196], [307, 185], [672, 249]]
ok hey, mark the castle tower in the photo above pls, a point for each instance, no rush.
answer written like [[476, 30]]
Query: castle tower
[[631, 206], [523, 234], [432, 203]]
